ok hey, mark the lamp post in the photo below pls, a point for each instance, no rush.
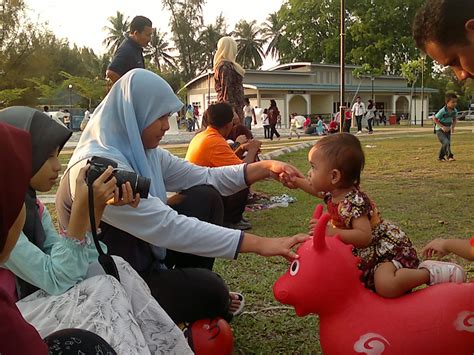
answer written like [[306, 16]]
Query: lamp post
[[70, 95], [342, 64], [423, 58], [372, 78]]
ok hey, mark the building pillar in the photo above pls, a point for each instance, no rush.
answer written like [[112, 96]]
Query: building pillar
[[308, 103], [259, 99]]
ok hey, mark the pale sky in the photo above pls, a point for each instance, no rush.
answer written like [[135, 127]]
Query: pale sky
[[82, 22]]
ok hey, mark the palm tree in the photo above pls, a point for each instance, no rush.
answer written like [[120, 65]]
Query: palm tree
[[158, 50], [117, 30], [208, 38], [272, 34], [250, 53]]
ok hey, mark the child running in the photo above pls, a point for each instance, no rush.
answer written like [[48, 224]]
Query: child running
[[389, 262]]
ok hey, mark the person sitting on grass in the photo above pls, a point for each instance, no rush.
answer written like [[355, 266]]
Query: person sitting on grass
[[209, 148], [52, 270], [389, 262], [171, 242]]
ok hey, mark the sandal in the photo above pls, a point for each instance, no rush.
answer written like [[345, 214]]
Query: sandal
[[234, 296]]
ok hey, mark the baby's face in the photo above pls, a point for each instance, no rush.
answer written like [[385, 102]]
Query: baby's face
[[319, 175]]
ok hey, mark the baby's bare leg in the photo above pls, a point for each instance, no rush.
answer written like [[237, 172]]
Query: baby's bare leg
[[390, 282]]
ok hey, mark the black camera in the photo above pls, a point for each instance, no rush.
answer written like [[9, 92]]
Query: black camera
[[98, 165]]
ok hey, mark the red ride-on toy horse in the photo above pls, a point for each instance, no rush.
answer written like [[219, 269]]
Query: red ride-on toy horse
[[325, 280]]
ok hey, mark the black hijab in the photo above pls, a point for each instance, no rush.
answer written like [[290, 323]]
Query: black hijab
[[47, 134]]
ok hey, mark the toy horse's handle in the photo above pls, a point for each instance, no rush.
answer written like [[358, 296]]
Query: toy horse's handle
[[318, 211]]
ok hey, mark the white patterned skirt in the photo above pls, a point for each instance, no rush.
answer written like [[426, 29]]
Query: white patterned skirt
[[124, 313]]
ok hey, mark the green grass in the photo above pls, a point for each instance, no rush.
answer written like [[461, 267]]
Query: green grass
[[427, 199]]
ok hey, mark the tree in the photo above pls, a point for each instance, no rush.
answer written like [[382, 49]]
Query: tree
[[9, 96], [378, 32], [158, 50], [250, 46], [117, 29], [185, 21], [272, 34], [92, 89], [208, 38]]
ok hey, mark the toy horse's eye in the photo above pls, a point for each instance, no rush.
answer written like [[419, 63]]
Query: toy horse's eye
[[294, 267]]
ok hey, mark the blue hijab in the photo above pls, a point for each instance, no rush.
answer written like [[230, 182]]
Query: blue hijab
[[114, 131]]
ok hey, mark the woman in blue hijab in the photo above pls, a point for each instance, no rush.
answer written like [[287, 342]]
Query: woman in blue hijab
[[171, 243]]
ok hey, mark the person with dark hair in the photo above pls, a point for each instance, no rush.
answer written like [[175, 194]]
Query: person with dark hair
[[358, 111], [388, 260], [266, 124], [16, 335], [209, 148], [130, 53], [444, 30], [445, 122], [273, 114], [249, 114], [370, 115]]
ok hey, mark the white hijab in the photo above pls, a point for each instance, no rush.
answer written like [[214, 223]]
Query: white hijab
[[114, 130], [227, 51]]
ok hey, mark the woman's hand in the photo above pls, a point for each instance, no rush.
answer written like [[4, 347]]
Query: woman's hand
[[127, 197], [283, 172], [435, 247], [241, 139], [273, 246]]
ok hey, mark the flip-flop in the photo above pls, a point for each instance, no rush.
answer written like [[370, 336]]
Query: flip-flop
[[242, 303]]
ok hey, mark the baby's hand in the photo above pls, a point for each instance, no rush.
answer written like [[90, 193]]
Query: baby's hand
[[435, 247], [330, 230]]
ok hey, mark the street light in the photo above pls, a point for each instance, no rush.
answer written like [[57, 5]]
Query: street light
[[423, 58], [372, 78], [70, 97]]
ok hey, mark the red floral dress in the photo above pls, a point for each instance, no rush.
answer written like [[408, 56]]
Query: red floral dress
[[389, 242]]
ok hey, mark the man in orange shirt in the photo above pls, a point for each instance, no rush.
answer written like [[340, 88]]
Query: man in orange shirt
[[210, 148]]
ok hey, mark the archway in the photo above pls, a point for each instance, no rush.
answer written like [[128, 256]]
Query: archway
[[402, 106], [298, 104]]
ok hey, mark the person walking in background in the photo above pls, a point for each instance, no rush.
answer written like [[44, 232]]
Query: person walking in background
[[358, 111], [293, 126], [445, 121], [266, 124], [196, 118], [190, 118], [273, 114], [130, 53], [249, 114], [229, 75], [370, 115]]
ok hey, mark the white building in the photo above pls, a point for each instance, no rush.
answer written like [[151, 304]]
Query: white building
[[308, 88]]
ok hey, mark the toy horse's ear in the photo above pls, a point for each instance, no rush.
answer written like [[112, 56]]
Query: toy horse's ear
[[318, 211], [319, 235]]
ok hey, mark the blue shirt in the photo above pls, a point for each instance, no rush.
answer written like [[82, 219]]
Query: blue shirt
[[128, 56], [446, 117]]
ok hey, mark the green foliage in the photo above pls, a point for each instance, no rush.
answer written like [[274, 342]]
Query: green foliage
[[117, 29], [208, 38], [9, 96], [92, 89], [158, 51], [378, 32], [250, 46]]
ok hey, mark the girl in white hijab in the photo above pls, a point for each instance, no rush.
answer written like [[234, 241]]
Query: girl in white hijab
[[229, 75]]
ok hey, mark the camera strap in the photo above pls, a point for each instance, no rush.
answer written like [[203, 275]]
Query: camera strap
[[105, 260]]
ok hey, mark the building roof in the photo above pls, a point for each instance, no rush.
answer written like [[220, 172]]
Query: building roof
[[332, 87]]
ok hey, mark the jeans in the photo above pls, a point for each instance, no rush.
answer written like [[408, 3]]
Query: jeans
[[273, 131], [370, 122], [359, 123], [445, 140], [248, 122], [347, 126], [266, 131]]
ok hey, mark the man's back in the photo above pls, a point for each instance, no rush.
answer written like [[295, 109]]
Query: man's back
[[209, 148]]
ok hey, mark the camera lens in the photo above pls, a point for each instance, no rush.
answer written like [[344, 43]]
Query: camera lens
[[140, 184]]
